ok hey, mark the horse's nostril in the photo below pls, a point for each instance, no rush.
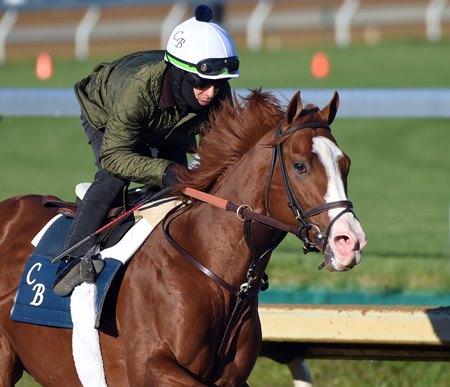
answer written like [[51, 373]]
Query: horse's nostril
[[344, 243]]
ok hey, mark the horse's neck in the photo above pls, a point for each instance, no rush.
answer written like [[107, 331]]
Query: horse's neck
[[216, 237], [244, 184]]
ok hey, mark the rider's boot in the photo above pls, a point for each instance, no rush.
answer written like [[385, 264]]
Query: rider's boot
[[72, 271]]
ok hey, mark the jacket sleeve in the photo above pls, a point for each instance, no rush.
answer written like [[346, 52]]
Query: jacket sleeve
[[121, 155]]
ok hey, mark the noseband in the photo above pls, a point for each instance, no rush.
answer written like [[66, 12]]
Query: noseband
[[299, 212]]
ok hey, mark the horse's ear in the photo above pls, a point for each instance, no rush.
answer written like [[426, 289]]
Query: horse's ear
[[329, 111], [294, 108]]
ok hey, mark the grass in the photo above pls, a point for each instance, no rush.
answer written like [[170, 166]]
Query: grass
[[352, 373], [398, 184]]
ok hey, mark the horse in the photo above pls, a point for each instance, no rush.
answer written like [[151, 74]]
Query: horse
[[184, 310]]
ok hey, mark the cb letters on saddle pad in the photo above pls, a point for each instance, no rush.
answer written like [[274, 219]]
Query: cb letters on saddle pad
[[35, 301]]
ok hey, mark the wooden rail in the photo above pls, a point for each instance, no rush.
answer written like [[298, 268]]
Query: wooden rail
[[356, 332]]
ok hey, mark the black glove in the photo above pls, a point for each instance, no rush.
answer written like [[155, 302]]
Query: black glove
[[170, 176]]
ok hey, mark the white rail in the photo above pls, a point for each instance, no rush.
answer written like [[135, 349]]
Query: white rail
[[343, 22], [84, 31], [6, 24], [255, 24], [355, 103], [433, 19], [265, 16]]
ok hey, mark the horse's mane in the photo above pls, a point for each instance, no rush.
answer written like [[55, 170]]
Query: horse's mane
[[231, 132]]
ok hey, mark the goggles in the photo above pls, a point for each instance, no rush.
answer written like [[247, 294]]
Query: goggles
[[209, 67], [216, 66], [204, 83]]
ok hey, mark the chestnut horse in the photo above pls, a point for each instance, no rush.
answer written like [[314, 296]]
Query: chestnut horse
[[185, 310]]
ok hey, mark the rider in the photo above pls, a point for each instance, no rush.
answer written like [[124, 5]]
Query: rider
[[141, 114]]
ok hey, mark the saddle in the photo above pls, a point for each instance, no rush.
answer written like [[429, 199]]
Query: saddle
[[113, 234]]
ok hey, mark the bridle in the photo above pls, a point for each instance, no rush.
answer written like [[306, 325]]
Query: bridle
[[302, 215], [254, 221], [247, 215]]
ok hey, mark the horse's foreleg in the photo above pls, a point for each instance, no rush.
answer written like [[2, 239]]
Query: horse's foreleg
[[11, 368], [162, 373]]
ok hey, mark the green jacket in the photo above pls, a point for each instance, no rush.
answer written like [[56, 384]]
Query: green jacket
[[127, 99]]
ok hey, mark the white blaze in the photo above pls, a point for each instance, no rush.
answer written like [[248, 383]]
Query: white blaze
[[329, 154], [347, 237]]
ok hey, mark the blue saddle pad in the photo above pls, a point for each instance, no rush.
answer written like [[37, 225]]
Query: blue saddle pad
[[35, 301]]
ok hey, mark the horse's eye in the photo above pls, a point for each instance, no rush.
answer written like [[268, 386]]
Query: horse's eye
[[300, 167]]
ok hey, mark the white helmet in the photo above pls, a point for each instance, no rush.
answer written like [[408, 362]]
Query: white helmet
[[204, 48]]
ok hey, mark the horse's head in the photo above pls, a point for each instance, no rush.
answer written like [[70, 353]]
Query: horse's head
[[305, 187], [309, 171]]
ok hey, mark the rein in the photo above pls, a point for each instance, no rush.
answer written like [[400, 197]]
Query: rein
[[242, 211]]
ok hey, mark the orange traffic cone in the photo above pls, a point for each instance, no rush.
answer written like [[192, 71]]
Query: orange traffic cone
[[44, 67], [320, 65]]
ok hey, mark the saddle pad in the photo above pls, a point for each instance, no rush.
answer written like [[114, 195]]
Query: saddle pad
[[154, 212], [35, 301]]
